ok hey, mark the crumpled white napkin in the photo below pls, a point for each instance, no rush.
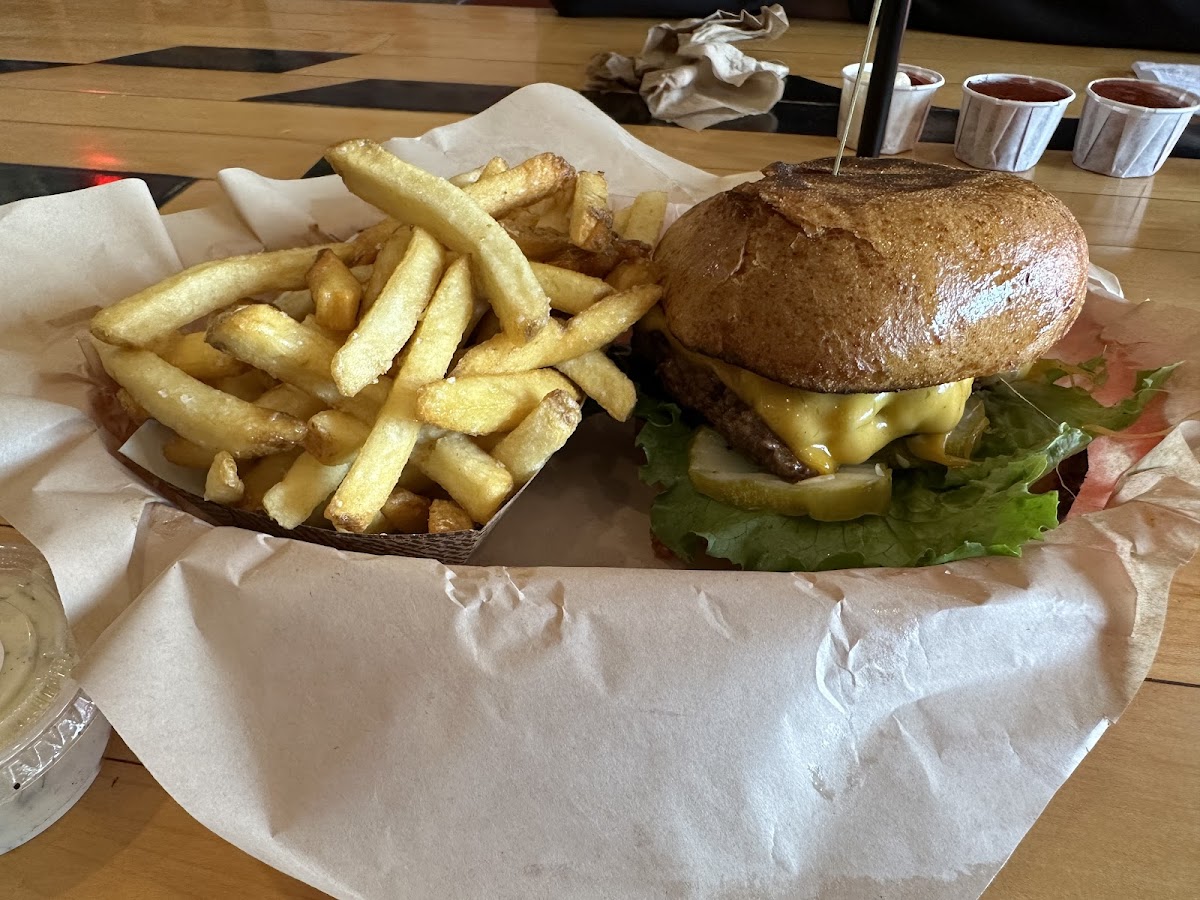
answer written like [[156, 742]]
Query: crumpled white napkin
[[1184, 75], [690, 74]]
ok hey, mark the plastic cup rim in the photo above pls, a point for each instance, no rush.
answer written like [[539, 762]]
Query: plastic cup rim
[[938, 79], [1190, 109], [1031, 78]]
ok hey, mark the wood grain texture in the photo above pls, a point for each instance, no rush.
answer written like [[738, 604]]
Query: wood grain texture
[[1125, 825]]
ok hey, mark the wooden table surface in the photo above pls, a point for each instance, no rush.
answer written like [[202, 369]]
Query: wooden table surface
[[1127, 823]]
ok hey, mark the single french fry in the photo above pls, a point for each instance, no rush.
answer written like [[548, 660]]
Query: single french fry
[[192, 354], [645, 219], [488, 327], [406, 512], [202, 414], [632, 273], [395, 433], [289, 399], [415, 196], [366, 245], [594, 328], [536, 178], [591, 220], [335, 291], [263, 475], [223, 484], [385, 264], [305, 487], [334, 437], [248, 386], [599, 378], [362, 273], [141, 319], [570, 292], [481, 404], [462, 179], [446, 516], [188, 454], [540, 435], [390, 322], [268, 339], [493, 166], [413, 479], [476, 481]]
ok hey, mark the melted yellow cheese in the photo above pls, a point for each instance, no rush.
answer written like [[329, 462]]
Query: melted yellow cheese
[[830, 430]]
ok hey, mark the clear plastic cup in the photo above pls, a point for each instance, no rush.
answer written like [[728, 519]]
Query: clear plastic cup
[[1129, 127], [911, 100], [1006, 121]]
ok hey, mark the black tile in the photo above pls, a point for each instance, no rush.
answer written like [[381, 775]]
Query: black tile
[[384, 93], [320, 168], [797, 89], [229, 59], [17, 182], [27, 65]]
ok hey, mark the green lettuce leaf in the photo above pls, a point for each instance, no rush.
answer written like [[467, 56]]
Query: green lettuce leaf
[[937, 515]]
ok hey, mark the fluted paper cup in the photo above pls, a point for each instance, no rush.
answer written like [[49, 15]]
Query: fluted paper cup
[[1009, 135], [907, 114], [1131, 132]]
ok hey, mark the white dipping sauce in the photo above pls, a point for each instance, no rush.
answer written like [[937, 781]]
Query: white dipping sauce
[[51, 735]]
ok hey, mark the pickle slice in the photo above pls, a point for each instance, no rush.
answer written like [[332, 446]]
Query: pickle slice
[[724, 474]]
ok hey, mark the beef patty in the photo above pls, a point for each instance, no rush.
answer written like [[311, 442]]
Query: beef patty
[[703, 392]]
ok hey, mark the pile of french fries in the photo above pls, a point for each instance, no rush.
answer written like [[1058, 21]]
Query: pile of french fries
[[412, 378]]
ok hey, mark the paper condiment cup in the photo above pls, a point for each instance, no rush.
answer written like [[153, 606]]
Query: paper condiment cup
[[51, 734], [1006, 121], [1129, 127], [909, 109]]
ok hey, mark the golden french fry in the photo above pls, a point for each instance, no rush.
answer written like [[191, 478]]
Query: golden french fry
[[481, 404], [192, 354], [263, 475], [385, 264], [335, 291], [338, 337], [413, 479], [488, 327], [362, 273], [394, 435], [632, 272], [183, 452], [570, 292], [540, 435], [366, 245], [538, 243], [248, 386], [462, 179], [599, 378], [406, 512], [417, 197], [291, 400], [493, 166], [645, 219], [297, 304], [144, 317], [131, 407], [476, 481], [305, 487], [223, 484], [595, 327], [446, 516], [536, 178], [266, 338], [621, 220], [591, 220], [334, 437], [390, 322], [202, 414]]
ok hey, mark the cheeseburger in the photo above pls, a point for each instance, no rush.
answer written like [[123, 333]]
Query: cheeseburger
[[834, 357]]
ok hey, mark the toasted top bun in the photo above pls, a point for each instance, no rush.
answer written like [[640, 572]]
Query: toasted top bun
[[893, 275]]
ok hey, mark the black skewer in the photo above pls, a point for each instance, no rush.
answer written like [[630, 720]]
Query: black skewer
[[893, 20]]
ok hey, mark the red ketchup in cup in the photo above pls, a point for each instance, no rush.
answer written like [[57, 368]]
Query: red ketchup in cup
[[1147, 95], [1020, 89]]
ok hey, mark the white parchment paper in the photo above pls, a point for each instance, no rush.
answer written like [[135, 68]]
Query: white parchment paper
[[572, 717]]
